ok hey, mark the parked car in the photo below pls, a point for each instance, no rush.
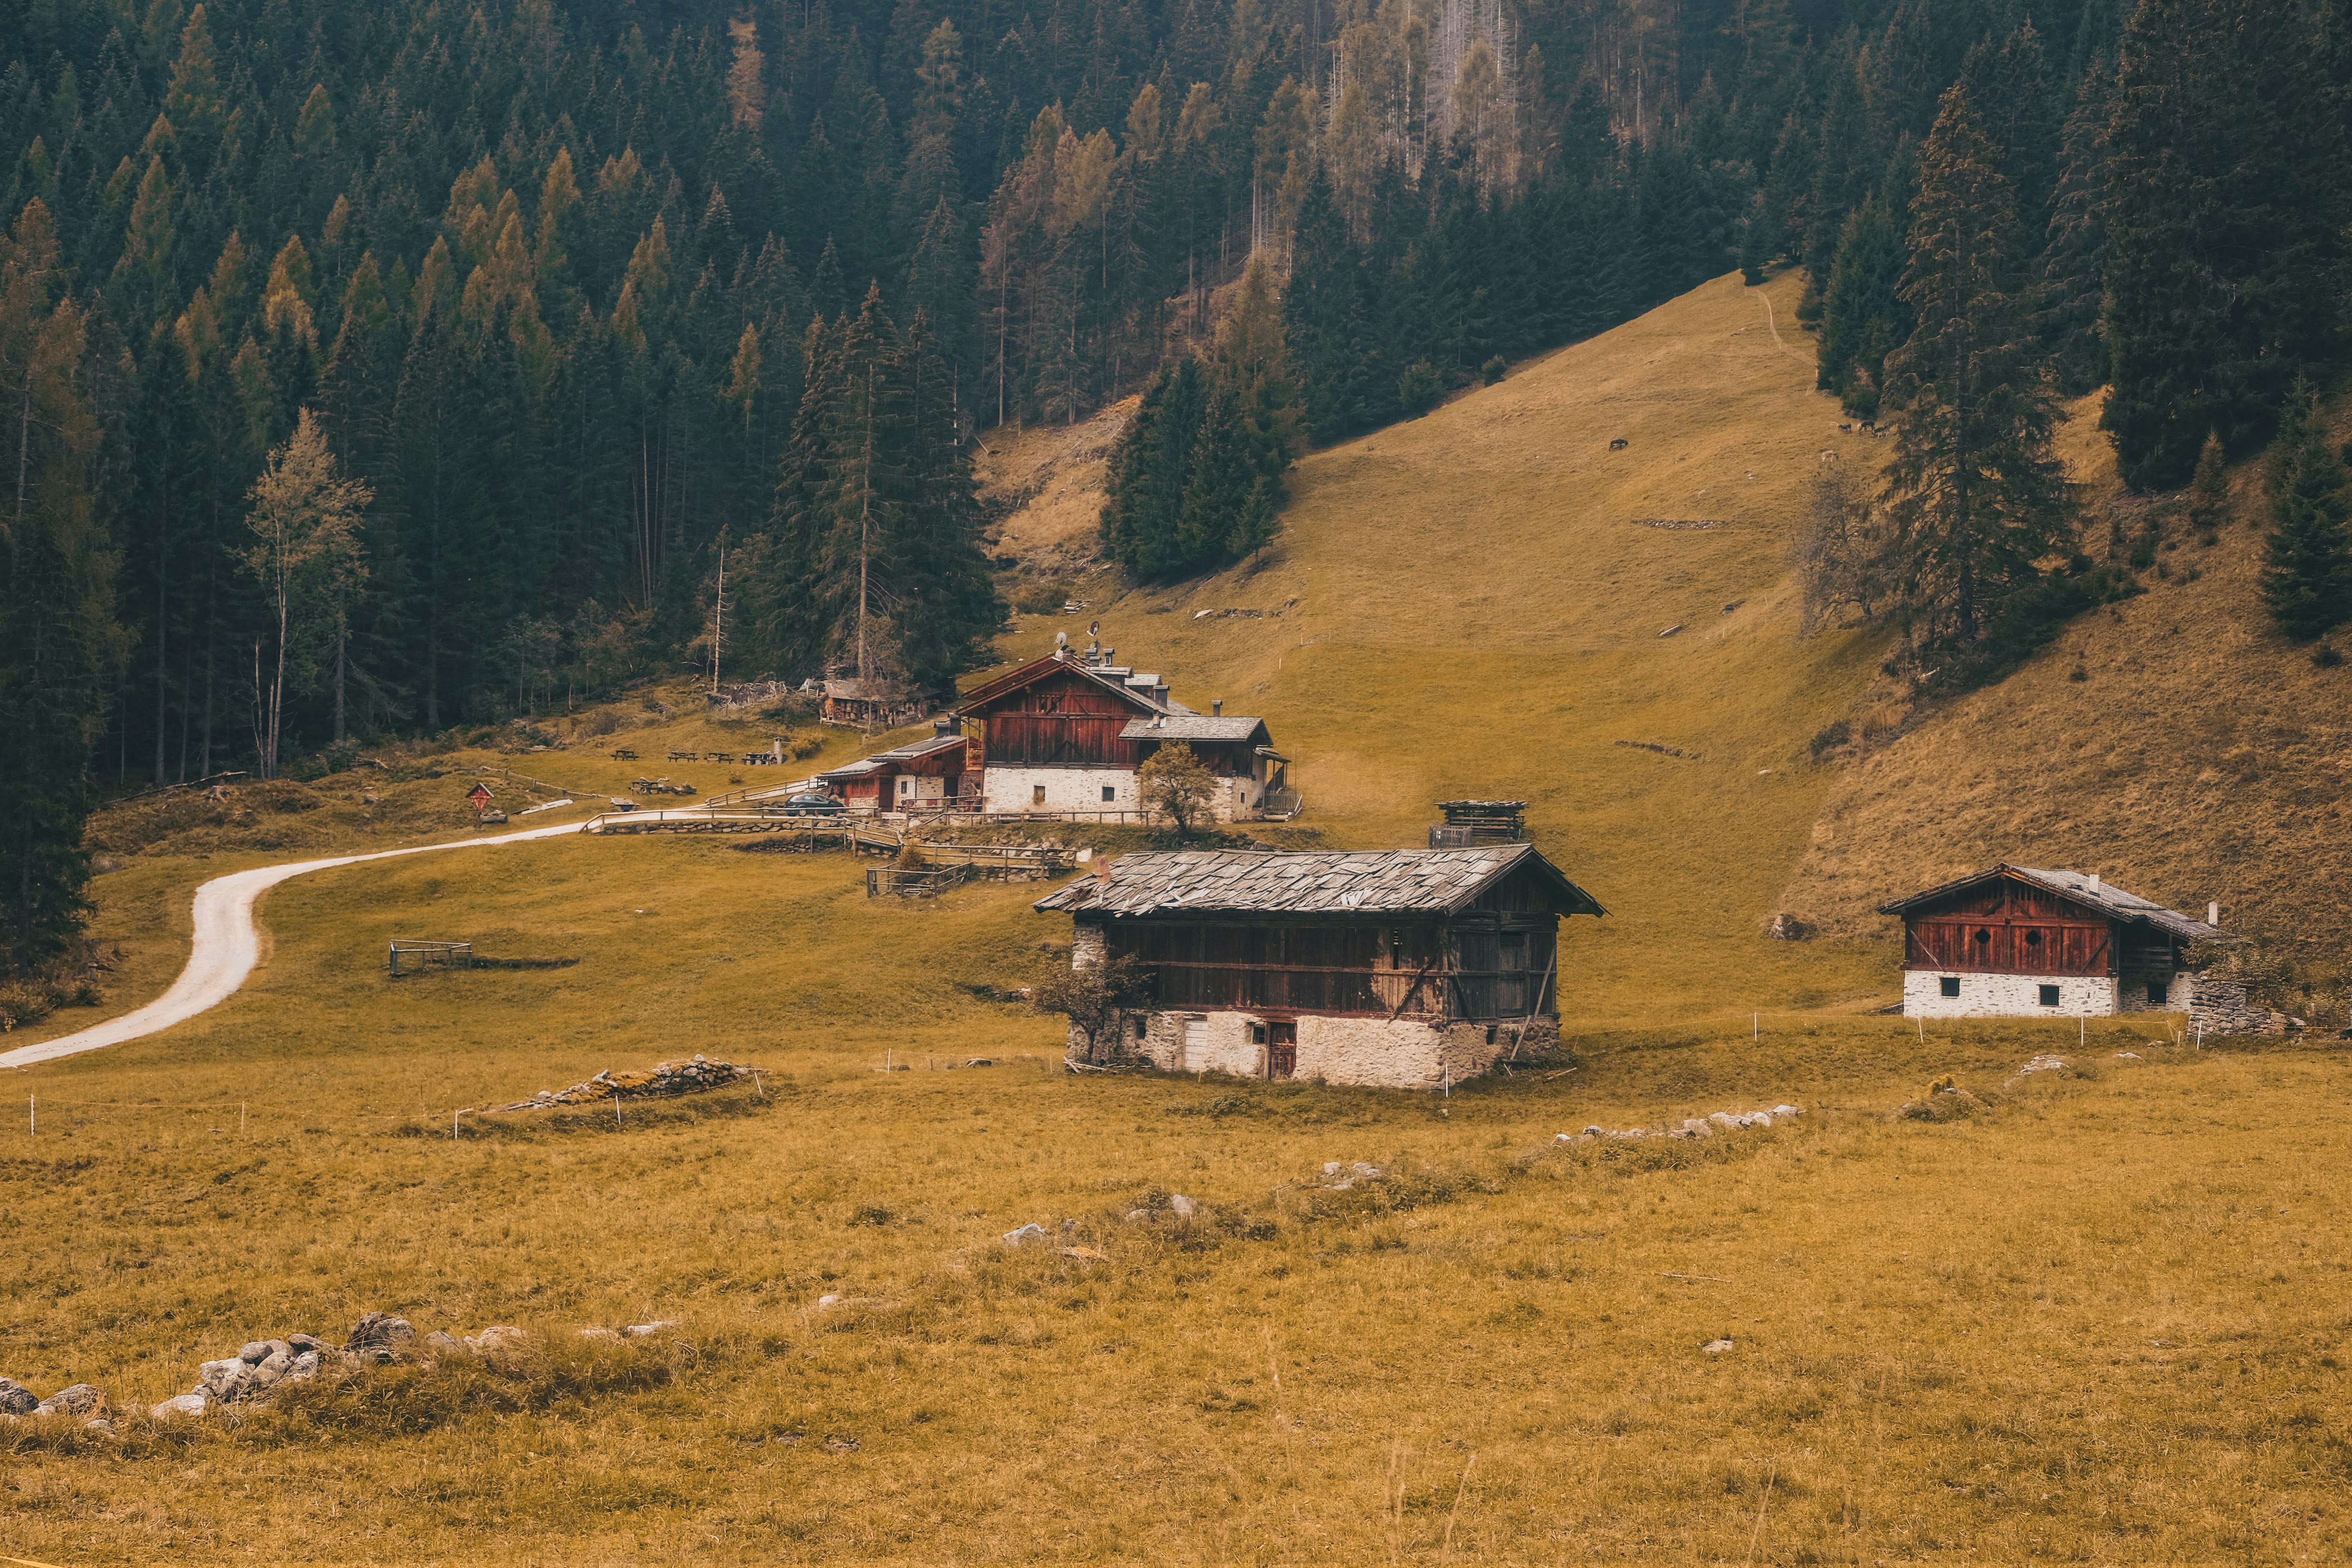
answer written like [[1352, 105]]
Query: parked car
[[817, 804]]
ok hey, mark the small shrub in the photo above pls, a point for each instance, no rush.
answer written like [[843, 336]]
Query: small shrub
[[1493, 370], [2326, 658], [1829, 737], [2078, 673], [602, 721], [21, 1003]]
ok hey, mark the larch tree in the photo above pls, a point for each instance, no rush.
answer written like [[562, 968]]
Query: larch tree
[[306, 555], [1975, 498]]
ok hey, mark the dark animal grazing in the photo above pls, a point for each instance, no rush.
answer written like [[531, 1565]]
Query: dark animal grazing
[[1619, 445], [1869, 425], [1845, 424]]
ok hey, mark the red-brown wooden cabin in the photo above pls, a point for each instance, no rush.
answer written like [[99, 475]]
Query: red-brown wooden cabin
[[924, 775], [2014, 941]]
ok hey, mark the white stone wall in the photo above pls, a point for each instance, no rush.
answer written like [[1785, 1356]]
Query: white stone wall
[[2006, 995], [1066, 789], [1086, 945], [1405, 1052], [1081, 789], [2180, 992]]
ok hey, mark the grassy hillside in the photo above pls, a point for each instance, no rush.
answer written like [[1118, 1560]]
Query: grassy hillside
[[1470, 604], [2175, 743]]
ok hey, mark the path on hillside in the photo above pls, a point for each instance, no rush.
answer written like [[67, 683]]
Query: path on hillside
[[1773, 321], [224, 949]]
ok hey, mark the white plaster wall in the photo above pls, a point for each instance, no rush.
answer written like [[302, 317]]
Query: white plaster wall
[[1403, 1054], [1066, 789], [2005, 995], [1086, 947]]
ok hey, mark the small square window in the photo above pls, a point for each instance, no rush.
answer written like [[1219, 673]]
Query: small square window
[[1143, 1025], [1037, 795], [2156, 993], [1110, 792], [2050, 996], [1949, 985], [1258, 1033]]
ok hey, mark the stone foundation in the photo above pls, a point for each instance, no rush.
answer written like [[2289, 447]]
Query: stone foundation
[[1401, 1053]]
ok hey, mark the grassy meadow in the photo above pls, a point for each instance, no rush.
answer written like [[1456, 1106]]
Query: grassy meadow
[[2100, 1320]]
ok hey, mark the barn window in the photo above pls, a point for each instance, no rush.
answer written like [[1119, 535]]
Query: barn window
[[1258, 1033], [1950, 985], [2034, 939], [1143, 1025], [2156, 993], [1983, 938], [1110, 792], [1037, 795], [2050, 996]]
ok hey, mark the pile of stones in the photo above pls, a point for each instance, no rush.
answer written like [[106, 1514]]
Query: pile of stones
[[1692, 1127], [697, 1077], [263, 1367], [80, 1403]]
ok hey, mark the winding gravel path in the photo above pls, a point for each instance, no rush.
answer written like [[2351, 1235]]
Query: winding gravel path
[[224, 949]]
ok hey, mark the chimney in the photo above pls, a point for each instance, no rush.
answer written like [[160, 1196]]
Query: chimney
[[2212, 914], [1216, 708], [2095, 881]]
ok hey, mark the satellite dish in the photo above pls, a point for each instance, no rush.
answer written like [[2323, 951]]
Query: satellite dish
[[1061, 639]]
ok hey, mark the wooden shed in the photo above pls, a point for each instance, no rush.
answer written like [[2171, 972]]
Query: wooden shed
[[2018, 942], [1407, 967], [923, 775]]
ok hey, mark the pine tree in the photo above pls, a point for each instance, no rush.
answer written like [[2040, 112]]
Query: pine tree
[[2208, 490], [2307, 579], [59, 644], [2227, 241], [1218, 491], [2073, 279], [1975, 495], [1151, 470], [1864, 317]]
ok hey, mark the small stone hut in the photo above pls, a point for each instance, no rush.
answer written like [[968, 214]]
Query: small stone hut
[[1405, 968], [2014, 942]]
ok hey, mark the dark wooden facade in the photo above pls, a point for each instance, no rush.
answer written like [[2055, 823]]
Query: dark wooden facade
[[1051, 714], [1496, 958], [2014, 927]]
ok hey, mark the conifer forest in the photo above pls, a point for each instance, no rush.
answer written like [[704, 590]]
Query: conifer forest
[[373, 369]]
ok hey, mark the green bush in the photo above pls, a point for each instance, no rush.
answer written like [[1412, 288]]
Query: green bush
[[1419, 388]]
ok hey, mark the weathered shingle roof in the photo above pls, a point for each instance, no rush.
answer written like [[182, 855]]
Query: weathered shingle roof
[[1110, 677], [1355, 883], [1193, 727], [2076, 887]]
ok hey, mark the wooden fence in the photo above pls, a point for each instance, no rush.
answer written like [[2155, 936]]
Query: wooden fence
[[411, 957]]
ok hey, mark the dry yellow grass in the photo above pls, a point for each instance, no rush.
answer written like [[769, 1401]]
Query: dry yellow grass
[[2100, 1321]]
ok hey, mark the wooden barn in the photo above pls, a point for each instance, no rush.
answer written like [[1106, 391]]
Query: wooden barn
[[1406, 968], [2014, 942], [1066, 733], [921, 776], [872, 704]]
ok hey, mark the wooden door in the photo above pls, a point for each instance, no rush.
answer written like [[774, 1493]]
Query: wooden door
[[1281, 1049]]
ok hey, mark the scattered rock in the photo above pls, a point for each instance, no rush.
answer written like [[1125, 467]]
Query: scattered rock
[[2128, 1055], [1691, 1127], [1028, 1234], [1139, 1217], [99, 1427], [379, 1331], [1716, 1347], [497, 1337], [440, 1341], [15, 1399], [841, 1445], [600, 1335], [980, 1062], [1789, 927], [1182, 1207], [1087, 1252], [645, 1330], [192, 1403], [81, 1399]]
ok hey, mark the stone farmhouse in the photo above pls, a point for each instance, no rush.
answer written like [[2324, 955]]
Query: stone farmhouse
[[1407, 968], [1065, 734], [2014, 942]]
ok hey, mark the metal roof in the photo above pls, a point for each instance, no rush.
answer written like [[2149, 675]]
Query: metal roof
[[1353, 882], [2079, 887], [1110, 677], [1193, 727], [914, 751]]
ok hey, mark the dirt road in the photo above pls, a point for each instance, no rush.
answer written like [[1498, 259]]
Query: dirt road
[[224, 949]]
